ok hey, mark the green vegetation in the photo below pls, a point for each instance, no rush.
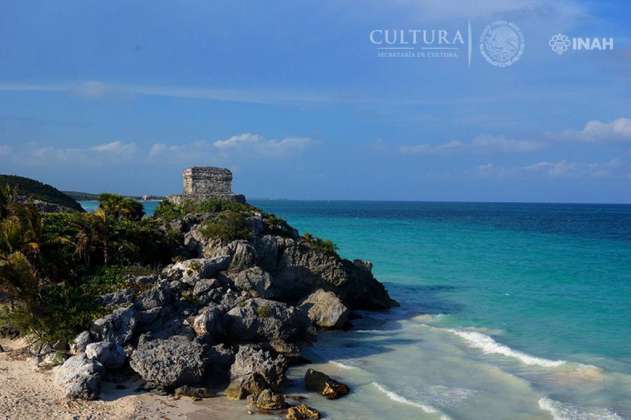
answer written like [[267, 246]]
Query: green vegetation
[[168, 211], [323, 245], [274, 225], [53, 267], [227, 226], [264, 311], [39, 191]]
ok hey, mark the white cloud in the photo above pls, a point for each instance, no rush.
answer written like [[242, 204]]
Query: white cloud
[[258, 145], [614, 168], [555, 169], [241, 146], [484, 143], [107, 153], [618, 130], [116, 148]]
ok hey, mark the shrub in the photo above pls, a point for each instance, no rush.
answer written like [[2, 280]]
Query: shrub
[[167, 211], [227, 226], [121, 208], [264, 311], [274, 225], [323, 245]]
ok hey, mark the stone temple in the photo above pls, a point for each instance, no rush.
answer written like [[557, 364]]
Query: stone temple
[[201, 183]]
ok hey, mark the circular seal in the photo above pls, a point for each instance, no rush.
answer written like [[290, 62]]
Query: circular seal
[[559, 43], [502, 43]]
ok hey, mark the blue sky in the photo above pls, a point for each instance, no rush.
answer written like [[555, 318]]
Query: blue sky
[[122, 95]]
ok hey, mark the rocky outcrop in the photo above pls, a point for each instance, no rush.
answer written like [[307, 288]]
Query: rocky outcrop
[[235, 315], [80, 377], [169, 363], [255, 359], [324, 385], [257, 320], [110, 355], [325, 309]]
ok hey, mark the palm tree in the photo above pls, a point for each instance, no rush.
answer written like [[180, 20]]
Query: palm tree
[[120, 208]]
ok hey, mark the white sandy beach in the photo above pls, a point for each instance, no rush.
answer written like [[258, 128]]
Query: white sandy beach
[[27, 392]]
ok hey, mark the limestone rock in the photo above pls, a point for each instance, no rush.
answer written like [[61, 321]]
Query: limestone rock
[[191, 271], [269, 400], [302, 412], [117, 327], [250, 384], [110, 355], [80, 342], [209, 323], [80, 377], [255, 359], [325, 309], [323, 384], [264, 320], [170, 362]]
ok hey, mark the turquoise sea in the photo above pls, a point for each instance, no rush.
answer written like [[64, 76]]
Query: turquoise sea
[[508, 311]]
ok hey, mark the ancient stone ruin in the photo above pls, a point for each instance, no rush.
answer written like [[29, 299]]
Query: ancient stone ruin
[[201, 183]]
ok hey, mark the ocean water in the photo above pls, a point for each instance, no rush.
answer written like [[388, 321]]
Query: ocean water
[[508, 311]]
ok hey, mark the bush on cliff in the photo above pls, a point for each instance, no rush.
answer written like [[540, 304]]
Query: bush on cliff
[[54, 266], [323, 245], [168, 211], [229, 225]]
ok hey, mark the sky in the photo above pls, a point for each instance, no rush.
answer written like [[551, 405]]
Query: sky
[[298, 101]]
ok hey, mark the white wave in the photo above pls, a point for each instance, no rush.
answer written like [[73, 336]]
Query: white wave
[[489, 346], [370, 331], [341, 365], [401, 399], [561, 411]]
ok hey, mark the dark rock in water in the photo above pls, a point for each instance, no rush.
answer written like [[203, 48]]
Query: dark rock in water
[[117, 327], [255, 359], [80, 377], [170, 362], [243, 386], [269, 400], [302, 412], [110, 355], [325, 309], [265, 320], [196, 393], [323, 384]]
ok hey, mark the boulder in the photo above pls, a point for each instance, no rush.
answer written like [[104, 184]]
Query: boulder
[[80, 377], [80, 342], [209, 323], [191, 271], [111, 355], [51, 360], [258, 320], [269, 400], [117, 327], [255, 281], [256, 359], [302, 412], [324, 385], [154, 297], [170, 362], [251, 384], [325, 309]]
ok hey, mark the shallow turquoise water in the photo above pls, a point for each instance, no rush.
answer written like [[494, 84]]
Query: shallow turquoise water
[[531, 305]]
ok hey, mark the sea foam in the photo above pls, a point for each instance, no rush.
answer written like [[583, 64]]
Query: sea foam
[[401, 399], [341, 365], [561, 411], [489, 346]]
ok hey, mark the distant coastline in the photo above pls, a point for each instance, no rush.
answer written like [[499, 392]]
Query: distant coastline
[[83, 196]]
